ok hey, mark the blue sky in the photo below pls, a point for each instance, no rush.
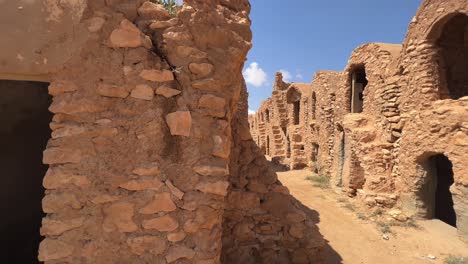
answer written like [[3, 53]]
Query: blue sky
[[303, 36]]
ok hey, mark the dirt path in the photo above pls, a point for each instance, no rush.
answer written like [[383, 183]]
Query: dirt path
[[360, 241]]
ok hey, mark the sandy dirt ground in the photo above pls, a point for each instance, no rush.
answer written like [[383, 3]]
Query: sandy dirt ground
[[356, 241]]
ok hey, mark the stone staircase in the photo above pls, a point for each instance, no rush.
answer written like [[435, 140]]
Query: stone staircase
[[262, 134], [298, 154], [279, 98], [279, 143]]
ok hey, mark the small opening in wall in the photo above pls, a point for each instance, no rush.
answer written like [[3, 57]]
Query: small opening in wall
[[24, 134], [267, 113], [315, 151], [297, 110], [341, 156], [453, 50], [358, 84], [293, 96], [313, 105], [268, 145], [435, 192]]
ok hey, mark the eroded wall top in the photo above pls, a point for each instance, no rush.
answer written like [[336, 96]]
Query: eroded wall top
[[38, 36]]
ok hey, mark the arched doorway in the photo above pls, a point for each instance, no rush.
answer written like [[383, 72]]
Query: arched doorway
[[358, 84], [453, 54], [293, 96], [435, 192], [24, 134]]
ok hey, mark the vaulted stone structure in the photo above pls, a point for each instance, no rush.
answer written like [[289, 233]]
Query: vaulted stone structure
[[391, 128]]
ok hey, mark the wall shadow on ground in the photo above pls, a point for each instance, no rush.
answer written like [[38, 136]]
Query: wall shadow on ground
[[329, 255]]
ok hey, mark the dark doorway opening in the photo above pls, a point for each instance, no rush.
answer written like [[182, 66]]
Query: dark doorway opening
[[313, 105], [24, 134], [267, 112], [436, 190], [268, 145], [341, 159], [297, 110], [453, 48], [358, 84], [314, 157], [443, 197]]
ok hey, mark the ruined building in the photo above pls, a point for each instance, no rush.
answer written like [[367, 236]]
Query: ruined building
[[392, 128], [146, 154]]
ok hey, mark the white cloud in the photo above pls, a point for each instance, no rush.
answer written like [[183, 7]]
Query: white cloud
[[286, 75], [251, 112], [299, 76], [255, 75]]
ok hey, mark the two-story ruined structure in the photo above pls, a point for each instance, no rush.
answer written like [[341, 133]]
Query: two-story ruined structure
[[392, 128]]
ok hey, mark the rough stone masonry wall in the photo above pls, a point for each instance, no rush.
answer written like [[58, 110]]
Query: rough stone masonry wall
[[408, 115], [321, 130], [433, 124], [297, 93], [149, 158], [369, 135], [139, 155], [262, 222]]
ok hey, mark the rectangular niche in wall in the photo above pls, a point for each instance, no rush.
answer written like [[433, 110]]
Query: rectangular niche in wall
[[24, 132], [358, 84]]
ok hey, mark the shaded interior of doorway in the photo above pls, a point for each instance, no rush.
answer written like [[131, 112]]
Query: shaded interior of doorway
[[436, 191], [24, 133]]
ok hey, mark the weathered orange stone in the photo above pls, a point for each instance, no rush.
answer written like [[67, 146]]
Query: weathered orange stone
[[141, 245], [207, 170], [162, 202], [153, 11], [179, 252], [212, 102], [52, 227], [56, 178], [109, 90], [218, 188], [51, 249], [174, 190], [157, 75], [119, 216], [151, 170], [59, 87], [176, 237], [167, 92], [179, 123], [126, 36], [201, 69], [56, 202], [143, 184], [143, 92], [163, 224], [58, 155]]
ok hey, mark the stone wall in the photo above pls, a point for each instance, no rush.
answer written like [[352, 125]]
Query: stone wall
[[434, 122], [414, 108], [151, 160]]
